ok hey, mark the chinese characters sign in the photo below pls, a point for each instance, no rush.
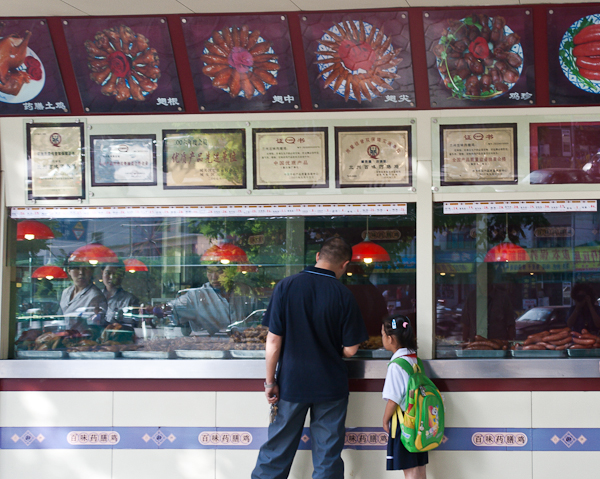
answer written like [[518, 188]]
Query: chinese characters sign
[[123, 160], [472, 155], [373, 157], [358, 60], [294, 157], [124, 65], [204, 158], [241, 63], [55, 161], [30, 81], [480, 57]]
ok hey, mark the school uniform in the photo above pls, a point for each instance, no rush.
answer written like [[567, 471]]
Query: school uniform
[[394, 388]]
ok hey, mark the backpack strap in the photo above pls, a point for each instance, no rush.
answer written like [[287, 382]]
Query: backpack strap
[[410, 370]]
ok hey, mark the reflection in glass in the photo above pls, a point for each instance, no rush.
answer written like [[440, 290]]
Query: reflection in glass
[[186, 302], [513, 307]]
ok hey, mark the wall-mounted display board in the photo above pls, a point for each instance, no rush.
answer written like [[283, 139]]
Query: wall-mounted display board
[[124, 65], [211, 158], [55, 161], [290, 158], [480, 57], [563, 153], [574, 55], [241, 63], [368, 157], [30, 81], [124, 160], [358, 60], [478, 154]]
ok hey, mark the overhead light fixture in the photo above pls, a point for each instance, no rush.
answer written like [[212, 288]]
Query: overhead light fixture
[[134, 265], [507, 251], [30, 230], [229, 253], [94, 254], [368, 252], [49, 272]]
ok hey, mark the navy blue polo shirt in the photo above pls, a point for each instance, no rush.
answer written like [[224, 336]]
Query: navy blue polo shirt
[[316, 315]]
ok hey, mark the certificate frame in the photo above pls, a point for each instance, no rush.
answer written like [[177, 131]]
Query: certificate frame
[[176, 178], [473, 134], [69, 141], [100, 178], [366, 145], [265, 157]]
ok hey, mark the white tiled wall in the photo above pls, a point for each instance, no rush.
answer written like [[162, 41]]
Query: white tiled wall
[[249, 409]]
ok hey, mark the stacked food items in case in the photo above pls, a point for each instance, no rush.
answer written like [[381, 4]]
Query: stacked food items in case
[[560, 339]]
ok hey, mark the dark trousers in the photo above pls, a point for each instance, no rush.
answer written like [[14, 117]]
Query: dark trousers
[[327, 430]]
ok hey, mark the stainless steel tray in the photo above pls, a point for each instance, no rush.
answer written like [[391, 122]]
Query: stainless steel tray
[[145, 354], [247, 353], [93, 355], [481, 353], [201, 354], [373, 353], [41, 354], [544, 353], [583, 353]]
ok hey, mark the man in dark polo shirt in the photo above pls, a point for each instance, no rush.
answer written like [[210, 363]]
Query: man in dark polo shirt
[[314, 322]]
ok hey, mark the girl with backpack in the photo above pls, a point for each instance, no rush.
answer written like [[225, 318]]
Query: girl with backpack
[[398, 337]]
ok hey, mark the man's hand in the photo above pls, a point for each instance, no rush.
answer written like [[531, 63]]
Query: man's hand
[[272, 394]]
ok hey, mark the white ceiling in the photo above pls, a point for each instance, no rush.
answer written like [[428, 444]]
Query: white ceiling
[[45, 8]]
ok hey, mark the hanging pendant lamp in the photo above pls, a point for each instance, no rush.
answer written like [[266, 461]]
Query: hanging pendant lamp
[[229, 253], [50, 272], [30, 230], [506, 251], [93, 254], [368, 252], [134, 265]]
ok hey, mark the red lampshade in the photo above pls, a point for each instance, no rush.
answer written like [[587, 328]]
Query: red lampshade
[[30, 230], [369, 252], [133, 265], [49, 272], [505, 252], [93, 254], [225, 254]]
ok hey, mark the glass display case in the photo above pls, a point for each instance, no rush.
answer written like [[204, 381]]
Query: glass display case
[[517, 279], [167, 287]]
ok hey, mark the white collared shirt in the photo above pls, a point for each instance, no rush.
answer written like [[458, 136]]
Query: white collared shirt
[[396, 378]]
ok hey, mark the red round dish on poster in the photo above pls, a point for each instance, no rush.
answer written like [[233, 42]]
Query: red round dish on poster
[[34, 68]]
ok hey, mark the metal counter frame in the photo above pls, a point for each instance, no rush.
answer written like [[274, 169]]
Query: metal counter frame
[[255, 369]]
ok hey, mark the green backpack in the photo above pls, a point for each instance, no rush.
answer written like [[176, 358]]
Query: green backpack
[[422, 422]]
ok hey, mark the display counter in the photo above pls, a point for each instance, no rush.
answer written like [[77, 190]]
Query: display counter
[[255, 369]]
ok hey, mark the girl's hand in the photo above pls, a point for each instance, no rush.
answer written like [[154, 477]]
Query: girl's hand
[[386, 427]]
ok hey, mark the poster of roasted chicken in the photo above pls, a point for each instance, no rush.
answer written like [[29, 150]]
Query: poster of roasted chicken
[[358, 60], [124, 65], [480, 57], [30, 81], [574, 55], [241, 63]]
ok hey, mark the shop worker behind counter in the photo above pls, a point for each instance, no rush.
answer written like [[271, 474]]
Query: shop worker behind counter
[[314, 322]]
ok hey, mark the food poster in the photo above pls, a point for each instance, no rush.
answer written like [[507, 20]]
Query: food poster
[[358, 60], [574, 55], [30, 81], [480, 58], [124, 65], [242, 63]]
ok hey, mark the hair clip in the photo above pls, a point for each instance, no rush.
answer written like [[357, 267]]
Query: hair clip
[[393, 324], [404, 324]]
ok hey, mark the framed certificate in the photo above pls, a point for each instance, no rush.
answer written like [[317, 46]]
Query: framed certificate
[[55, 161], [290, 158], [478, 154], [204, 158], [124, 160], [367, 156]]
